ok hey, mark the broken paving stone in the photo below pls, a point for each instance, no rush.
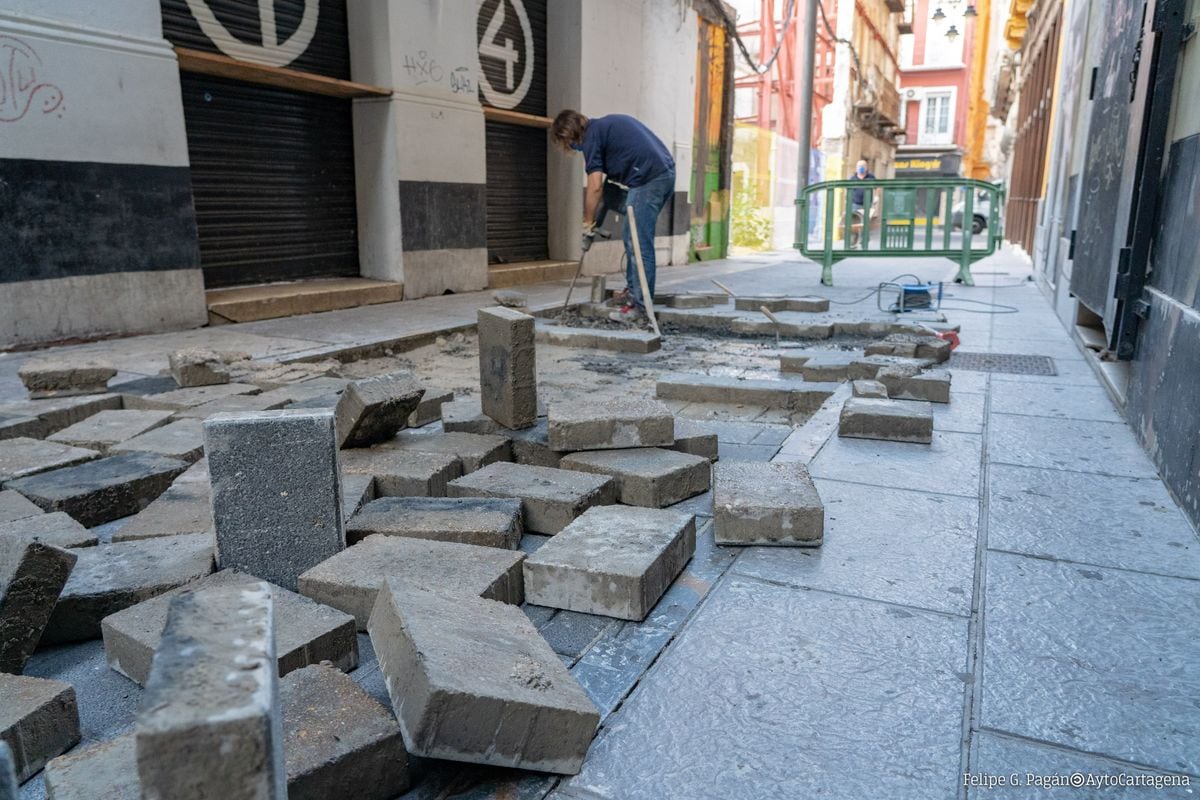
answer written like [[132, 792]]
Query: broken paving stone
[[338, 741], [56, 529], [105, 429], [13, 506], [467, 416], [52, 377], [182, 439], [399, 473], [482, 521], [933, 386], [184, 508], [190, 397], [867, 367], [510, 298], [472, 680], [766, 503], [912, 346], [357, 491], [584, 423], [473, 450], [613, 561], [550, 498], [276, 492], [789, 393], [430, 408], [39, 720], [869, 388], [695, 439], [110, 577], [650, 477], [887, 420], [210, 723], [372, 410], [306, 632], [101, 491], [822, 367], [104, 769], [32, 575], [350, 580], [507, 367], [532, 445], [198, 368], [21, 456]]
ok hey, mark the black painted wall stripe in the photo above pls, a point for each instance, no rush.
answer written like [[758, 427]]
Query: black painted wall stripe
[[442, 216], [60, 219]]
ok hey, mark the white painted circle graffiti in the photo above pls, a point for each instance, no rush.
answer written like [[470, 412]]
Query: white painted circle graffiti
[[509, 96], [272, 52]]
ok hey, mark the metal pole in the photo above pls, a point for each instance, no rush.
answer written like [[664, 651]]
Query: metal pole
[[808, 47]]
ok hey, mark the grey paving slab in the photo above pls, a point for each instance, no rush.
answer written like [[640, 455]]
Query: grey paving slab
[[805, 694], [963, 414], [1049, 400], [1093, 659], [897, 546], [746, 452], [1069, 372], [23, 456], [1127, 523], [1044, 773], [105, 429], [1107, 448], [966, 381], [570, 633], [1060, 349], [950, 465]]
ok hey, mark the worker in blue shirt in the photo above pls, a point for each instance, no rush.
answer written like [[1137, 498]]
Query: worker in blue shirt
[[626, 152]]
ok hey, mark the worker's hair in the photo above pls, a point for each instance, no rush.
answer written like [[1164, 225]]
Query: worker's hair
[[568, 128]]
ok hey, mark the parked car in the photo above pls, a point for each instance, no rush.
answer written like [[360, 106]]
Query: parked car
[[981, 212]]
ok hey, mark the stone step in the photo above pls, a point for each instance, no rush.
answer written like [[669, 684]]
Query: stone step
[[270, 301], [501, 276]]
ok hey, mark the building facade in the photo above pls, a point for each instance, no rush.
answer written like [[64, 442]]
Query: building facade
[[153, 150]]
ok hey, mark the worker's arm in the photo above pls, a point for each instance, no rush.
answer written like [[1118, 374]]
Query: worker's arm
[[591, 199]]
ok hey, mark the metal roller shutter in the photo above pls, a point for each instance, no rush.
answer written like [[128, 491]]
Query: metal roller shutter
[[517, 221]]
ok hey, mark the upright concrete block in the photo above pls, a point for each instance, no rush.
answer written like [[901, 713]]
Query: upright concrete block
[[766, 503], [614, 561], [583, 423], [276, 492], [472, 680], [306, 632], [22, 456], [338, 742], [646, 476], [111, 577], [32, 575], [888, 420], [39, 720], [507, 367], [14, 506], [106, 429], [482, 521], [53, 377], [372, 410], [210, 723], [55, 529], [100, 491], [430, 408], [350, 580], [197, 368], [398, 473], [550, 498], [473, 450], [182, 439]]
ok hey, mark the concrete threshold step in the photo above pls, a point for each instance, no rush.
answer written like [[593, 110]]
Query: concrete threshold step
[[501, 276], [270, 301]]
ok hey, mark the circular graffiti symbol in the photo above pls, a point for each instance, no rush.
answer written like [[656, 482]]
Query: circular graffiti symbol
[[273, 52], [494, 45]]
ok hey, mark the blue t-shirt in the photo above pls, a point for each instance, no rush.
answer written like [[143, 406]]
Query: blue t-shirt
[[625, 150]]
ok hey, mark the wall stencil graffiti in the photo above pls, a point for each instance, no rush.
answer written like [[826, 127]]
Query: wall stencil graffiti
[[22, 89], [273, 51]]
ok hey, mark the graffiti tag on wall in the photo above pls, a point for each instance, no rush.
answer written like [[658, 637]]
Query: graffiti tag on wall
[[21, 88]]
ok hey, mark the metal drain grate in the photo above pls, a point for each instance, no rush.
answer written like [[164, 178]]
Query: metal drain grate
[[1013, 363]]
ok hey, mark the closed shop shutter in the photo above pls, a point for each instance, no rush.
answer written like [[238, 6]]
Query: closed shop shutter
[[509, 32]]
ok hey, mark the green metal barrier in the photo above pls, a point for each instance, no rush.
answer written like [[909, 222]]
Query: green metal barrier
[[899, 217]]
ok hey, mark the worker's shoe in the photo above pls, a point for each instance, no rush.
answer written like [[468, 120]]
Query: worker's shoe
[[627, 314], [621, 298]]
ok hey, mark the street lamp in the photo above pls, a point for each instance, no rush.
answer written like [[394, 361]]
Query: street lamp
[[939, 15], [952, 34], [970, 12]]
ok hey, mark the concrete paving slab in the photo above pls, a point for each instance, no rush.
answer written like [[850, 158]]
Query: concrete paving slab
[[887, 420], [766, 504], [399, 473], [22, 456], [32, 575], [531, 446], [867, 367], [105, 429], [14, 506], [895, 546], [111, 577], [184, 508], [482, 521], [820, 367], [1093, 659], [58, 377], [963, 414], [430, 408], [584, 423], [550, 498], [306, 632], [59, 413], [473, 450], [100, 769], [466, 415], [101, 491], [1125, 523], [56, 529], [931, 385], [370, 411], [569, 633], [612, 561], [789, 393], [472, 680], [38, 721], [350, 580], [507, 367], [182, 439], [869, 388], [190, 397], [694, 438], [853, 658], [238, 404], [197, 368], [949, 465], [597, 338], [1075, 445], [650, 477], [357, 491], [13, 426], [1049, 400]]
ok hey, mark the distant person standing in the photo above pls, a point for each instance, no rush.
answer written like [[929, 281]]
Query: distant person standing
[[858, 205], [628, 153]]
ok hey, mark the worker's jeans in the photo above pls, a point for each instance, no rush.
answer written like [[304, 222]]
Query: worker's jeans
[[647, 201]]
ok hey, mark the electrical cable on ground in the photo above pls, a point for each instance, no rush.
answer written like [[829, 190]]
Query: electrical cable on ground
[[999, 308]]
